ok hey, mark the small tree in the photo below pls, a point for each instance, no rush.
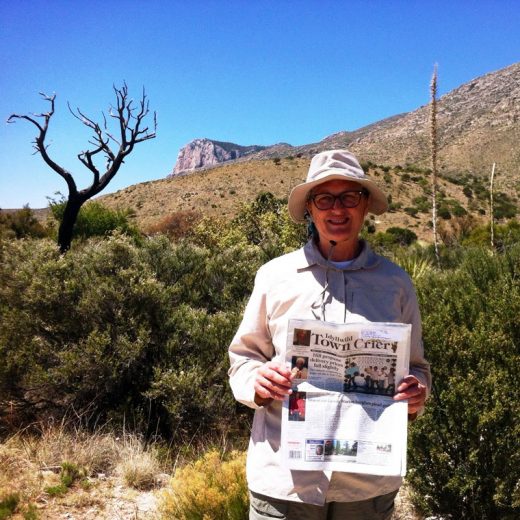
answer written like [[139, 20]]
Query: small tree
[[129, 118]]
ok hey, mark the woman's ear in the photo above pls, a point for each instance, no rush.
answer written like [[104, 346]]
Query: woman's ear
[[312, 232]]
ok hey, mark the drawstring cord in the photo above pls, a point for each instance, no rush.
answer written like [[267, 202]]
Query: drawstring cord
[[321, 298]]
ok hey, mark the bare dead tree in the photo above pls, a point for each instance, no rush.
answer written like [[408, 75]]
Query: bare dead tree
[[491, 209], [113, 146], [433, 156]]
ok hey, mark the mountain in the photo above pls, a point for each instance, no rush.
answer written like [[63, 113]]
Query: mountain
[[478, 124], [204, 153]]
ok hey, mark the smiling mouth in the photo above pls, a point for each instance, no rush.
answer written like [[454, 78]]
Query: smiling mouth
[[338, 221]]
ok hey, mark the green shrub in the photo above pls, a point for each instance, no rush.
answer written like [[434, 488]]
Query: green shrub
[[505, 235], [111, 326], [468, 192], [411, 210], [422, 203], [416, 262], [443, 212], [402, 236], [31, 513], [95, 219], [8, 505], [394, 206], [464, 457], [20, 224], [389, 240], [504, 207], [264, 223]]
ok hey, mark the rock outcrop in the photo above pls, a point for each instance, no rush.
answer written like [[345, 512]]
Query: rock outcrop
[[205, 153]]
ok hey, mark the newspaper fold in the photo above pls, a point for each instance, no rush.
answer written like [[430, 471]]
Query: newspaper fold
[[341, 415]]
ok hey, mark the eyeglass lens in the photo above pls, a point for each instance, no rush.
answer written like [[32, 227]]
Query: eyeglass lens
[[348, 199]]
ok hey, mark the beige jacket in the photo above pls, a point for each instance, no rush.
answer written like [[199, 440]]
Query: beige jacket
[[304, 285]]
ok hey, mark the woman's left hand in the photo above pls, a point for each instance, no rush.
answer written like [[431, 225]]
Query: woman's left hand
[[412, 389]]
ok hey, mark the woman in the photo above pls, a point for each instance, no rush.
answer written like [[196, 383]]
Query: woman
[[335, 278]]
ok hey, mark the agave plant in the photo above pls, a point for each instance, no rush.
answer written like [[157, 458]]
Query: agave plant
[[415, 263]]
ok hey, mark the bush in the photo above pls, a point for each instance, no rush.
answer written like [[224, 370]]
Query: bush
[[95, 219], [394, 206], [444, 213], [504, 207], [390, 240], [211, 488], [111, 326], [20, 224], [505, 235], [264, 223], [422, 203], [402, 236], [8, 505], [177, 225], [464, 460], [412, 211]]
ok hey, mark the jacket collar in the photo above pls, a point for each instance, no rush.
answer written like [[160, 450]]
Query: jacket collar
[[311, 255]]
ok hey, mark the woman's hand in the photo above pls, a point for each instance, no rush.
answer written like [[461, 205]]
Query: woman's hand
[[273, 381], [410, 388]]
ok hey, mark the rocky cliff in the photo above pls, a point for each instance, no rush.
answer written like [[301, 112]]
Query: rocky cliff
[[204, 153]]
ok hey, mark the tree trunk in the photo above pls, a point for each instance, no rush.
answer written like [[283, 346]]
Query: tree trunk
[[70, 216]]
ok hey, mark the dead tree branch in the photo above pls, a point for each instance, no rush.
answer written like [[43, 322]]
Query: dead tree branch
[[114, 146]]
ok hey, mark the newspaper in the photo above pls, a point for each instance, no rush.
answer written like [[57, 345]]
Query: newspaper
[[341, 415]]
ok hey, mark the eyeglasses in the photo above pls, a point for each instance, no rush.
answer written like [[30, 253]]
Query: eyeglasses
[[348, 199]]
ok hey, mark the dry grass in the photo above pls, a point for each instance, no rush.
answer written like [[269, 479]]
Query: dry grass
[[139, 467], [32, 463], [124, 476]]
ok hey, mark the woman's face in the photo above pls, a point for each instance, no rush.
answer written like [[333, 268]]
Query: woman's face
[[339, 224]]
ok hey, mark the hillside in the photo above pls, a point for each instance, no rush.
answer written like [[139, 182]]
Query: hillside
[[220, 191], [478, 122]]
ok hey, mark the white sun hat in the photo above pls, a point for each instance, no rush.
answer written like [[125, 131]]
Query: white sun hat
[[329, 166]]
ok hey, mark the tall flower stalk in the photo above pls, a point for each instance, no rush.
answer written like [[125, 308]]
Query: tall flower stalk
[[491, 217], [433, 156]]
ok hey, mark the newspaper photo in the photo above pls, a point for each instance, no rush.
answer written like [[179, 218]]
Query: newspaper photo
[[341, 415]]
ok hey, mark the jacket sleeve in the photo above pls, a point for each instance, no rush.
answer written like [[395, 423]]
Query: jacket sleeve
[[252, 346], [419, 367]]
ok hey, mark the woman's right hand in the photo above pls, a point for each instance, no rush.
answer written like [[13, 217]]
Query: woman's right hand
[[273, 381]]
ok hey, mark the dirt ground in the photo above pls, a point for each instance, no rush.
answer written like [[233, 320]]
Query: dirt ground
[[109, 499]]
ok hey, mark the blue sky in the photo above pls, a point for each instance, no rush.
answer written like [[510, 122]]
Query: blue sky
[[245, 71]]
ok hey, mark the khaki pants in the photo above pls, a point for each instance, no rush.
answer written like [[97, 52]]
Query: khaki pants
[[267, 508]]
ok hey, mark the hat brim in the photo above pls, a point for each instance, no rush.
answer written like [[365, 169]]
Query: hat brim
[[297, 203]]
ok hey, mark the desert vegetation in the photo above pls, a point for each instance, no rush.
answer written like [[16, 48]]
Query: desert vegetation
[[114, 361]]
